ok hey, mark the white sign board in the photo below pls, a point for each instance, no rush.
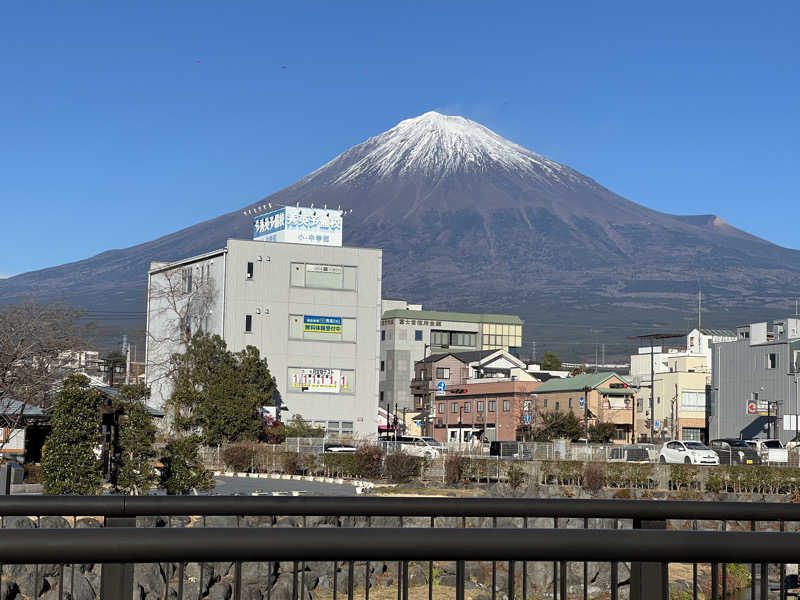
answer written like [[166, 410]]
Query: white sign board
[[324, 381], [300, 225]]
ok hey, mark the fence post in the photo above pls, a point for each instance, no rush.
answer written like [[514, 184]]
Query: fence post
[[648, 579], [116, 579]]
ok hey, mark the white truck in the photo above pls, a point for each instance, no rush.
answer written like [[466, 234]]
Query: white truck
[[770, 450]]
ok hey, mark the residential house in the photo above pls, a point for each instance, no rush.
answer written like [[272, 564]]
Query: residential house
[[593, 398]]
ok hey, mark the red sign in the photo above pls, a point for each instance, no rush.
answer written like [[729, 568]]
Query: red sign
[[751, 408]]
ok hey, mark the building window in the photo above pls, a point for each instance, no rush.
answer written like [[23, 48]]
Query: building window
[[383, 366], [249, 270], [467, 407], [620, 434], [383, 335], [442, 408], [695, 401], [772, 360], [691, 434], [442, 373], [570, 403], [479, 408], [330, 277], [544, 403], [418, 335], [248, 323], [186, 280], [453, 338], [492, 405], [558, 405], [380, 396], [322, 328], [506, 405], [454, 407]]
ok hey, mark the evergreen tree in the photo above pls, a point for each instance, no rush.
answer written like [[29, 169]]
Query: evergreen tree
[[183, 470], [137, 435], [553, 425], [550, 362], [69, 464], [218, 394]]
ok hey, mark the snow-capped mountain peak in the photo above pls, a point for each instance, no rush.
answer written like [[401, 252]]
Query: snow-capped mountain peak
[[437, 145]]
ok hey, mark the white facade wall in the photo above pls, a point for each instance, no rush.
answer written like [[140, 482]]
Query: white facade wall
[[270, 296]]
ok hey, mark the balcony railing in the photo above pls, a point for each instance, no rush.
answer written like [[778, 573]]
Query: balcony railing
[[291, 539]]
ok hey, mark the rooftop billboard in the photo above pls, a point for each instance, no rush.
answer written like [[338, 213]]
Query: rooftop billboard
[[300, 225]]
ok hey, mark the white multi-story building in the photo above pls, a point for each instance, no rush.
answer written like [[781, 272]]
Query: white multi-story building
[[312, 310]]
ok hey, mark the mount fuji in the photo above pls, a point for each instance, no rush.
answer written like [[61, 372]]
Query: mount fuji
[[471, 221]]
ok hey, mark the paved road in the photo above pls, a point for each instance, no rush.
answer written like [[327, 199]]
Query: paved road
[[227, 486]]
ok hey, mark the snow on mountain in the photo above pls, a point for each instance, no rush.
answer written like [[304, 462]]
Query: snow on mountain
[[437, 146]]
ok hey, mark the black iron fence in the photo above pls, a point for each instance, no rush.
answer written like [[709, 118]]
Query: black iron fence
[[279, 548]]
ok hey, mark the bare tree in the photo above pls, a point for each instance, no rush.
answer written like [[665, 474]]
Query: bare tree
[[181, 302], [38, 345]]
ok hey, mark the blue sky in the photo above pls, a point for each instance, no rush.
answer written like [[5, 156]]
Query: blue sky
[[119, 124]]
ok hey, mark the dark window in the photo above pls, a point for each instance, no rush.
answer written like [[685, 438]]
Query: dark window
[[383, 334], [772, 360], [383, 365], [418, 335], [442, 373], [381, 396], [544, 403], [558, 405], [442, 408], [479, 408], [570, 403], [492, 405], [186, 276], [454, 407], [249, 270], [506, 405], [248, 323], [467, 407]]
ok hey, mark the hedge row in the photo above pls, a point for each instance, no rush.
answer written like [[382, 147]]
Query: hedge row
[[367, 462]]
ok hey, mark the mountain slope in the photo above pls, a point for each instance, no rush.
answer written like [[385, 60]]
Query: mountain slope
[[469, 220]]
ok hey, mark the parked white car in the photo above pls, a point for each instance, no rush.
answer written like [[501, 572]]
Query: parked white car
[[689, 453]]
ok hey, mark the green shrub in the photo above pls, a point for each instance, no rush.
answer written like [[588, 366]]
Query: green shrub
[[400, 467], [682, 475], [453, 468], [368, 461], [238, 457], [717, 480], [341, 465]]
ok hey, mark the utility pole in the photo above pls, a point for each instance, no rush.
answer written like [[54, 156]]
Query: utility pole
[[652, 337]]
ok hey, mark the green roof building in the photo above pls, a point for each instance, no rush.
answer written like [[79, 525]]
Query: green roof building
[[409, 334]]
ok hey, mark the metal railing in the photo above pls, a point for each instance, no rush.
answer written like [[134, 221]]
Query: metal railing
[[510, 534]]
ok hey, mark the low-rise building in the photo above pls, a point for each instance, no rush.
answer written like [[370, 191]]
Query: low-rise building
[[409, 334], [476, 394], [755, 382], [679, 401], [593, 398], [312, 311]]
